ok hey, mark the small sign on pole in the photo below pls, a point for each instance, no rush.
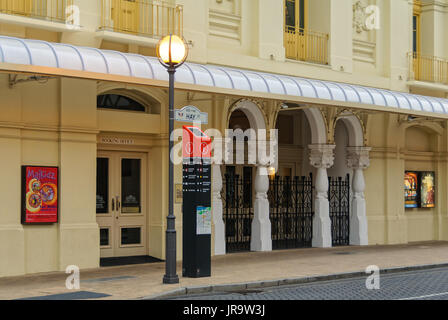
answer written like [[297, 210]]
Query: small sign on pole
[[191, 114]]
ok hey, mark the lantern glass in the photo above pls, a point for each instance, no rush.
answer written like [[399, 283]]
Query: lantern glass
[[172, 50]]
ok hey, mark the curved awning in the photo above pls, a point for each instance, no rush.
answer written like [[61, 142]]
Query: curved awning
[[40, 57]]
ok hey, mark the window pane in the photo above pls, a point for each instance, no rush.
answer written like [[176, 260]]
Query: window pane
[[130, 186], [117, 102], [104, 237], [302, 14], [290, 14], [415, 33], [102, 185], [130, 236]]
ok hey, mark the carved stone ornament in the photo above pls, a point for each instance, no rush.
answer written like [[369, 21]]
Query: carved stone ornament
[[322, 155], [358, 157], [359, 17]]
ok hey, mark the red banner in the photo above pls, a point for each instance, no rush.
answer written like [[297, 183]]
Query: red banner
[[39, 195]]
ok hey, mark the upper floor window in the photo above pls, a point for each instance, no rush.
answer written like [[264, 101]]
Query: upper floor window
[[301, 43], [118, 102], [295, 14], [416, 21]]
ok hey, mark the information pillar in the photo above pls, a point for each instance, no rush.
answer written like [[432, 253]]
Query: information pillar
[[196, 204]]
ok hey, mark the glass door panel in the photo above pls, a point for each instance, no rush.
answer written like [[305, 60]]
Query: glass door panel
[[130, 185]]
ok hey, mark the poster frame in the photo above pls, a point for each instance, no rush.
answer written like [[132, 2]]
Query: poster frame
[[422, 173], [23, 196]]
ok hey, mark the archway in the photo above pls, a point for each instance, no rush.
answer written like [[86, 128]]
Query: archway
[[347, 204], [291, 192]]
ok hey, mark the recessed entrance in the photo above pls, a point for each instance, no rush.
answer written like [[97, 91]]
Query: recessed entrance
[[121, 204]]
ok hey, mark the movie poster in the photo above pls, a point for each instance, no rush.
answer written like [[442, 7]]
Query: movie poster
[[427, 193], [411, 190], [39, 195]]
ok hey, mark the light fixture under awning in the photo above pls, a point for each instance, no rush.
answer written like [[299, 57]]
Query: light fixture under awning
[[58, 59]]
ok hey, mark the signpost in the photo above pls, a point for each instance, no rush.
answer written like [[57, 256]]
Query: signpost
[[196, 208]]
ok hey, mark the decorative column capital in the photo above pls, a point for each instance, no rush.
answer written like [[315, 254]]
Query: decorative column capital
[[358, 157], [322, 155]]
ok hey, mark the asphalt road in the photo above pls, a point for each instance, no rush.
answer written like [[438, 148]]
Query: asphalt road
[[431, 284]]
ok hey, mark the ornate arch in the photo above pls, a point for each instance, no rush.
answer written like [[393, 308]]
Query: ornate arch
[[354, 126], [317, 122], [254, 113]]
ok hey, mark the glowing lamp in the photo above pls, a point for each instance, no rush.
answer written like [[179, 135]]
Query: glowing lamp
[[172, 51]]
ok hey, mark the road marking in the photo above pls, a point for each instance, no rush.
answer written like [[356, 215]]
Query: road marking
[[427, 296]]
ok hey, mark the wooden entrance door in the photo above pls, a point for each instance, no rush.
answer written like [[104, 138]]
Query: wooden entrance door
[[121, 203]]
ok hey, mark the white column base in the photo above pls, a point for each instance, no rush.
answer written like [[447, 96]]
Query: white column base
[[261, 239], [219, 234], [358, 223], [321, 225]]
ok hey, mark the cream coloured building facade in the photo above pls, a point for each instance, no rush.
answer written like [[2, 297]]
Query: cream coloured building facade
[[353, 90]]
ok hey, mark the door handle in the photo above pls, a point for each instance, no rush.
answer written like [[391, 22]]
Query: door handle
[[113, 204], [118, 202]]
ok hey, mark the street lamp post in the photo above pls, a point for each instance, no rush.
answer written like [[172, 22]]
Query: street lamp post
[[172, 52]]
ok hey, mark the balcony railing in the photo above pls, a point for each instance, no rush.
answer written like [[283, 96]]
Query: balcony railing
[[53, 10], [306, 45], [428, 68], [145, 17]]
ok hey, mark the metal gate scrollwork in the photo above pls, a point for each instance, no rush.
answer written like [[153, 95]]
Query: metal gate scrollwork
[[339, 201], [291, 212], [238, 212]]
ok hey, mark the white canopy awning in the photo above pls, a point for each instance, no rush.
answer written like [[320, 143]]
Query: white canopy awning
[[40, 57]]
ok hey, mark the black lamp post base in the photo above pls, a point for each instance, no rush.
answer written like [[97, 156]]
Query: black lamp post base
[[170, 279]]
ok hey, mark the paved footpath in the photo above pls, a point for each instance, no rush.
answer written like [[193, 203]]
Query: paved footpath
[[143, 281]]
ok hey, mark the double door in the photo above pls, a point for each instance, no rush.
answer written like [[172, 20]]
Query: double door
[[126, 15], [121, 203]]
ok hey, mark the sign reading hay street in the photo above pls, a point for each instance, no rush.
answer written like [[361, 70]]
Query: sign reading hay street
[[191, 114]]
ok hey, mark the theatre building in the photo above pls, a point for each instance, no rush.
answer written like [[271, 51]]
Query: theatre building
[[356, 89]]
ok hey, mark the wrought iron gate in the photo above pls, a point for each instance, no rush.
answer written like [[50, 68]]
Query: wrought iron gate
[[291, 212], [238, 212], [339, 200]]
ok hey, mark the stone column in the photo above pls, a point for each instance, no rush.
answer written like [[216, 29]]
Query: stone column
[[358, 160], [322, 158], [261, 225], [219, 232]]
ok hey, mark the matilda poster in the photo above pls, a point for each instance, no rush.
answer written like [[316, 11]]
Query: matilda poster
[[411, 190], [427, 199], [39, 194]]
